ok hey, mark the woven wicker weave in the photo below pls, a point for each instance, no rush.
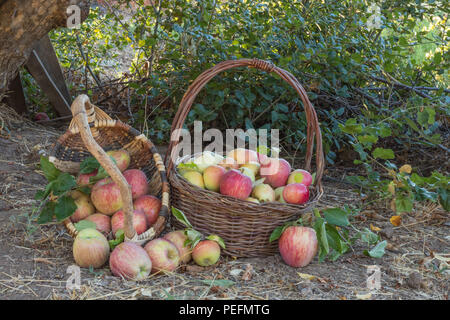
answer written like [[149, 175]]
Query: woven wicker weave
[[245, 226], [93, 132]]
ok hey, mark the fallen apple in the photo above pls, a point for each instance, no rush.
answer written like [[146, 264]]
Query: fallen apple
[[150, 205], [41, 116], [122, 158], [102, 222], [178, 238], [105, 196], [263, 192], [298, 246], [90, 249], [130, 261], [235, 184], [138, 182], [212, 176], [84, 206], [139, 221], [194, 178], [276, 171], [296, 193], [164, 255], [206, 253], [300, 176]]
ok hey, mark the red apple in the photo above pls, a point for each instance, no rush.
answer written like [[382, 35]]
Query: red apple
[[298, 246], [138, 182], [235, 184], [296, 193], [122, 158], [263, 192], [300, 176], [178, 238], [212, 176], [241, 155], [84, 206], [83, 178], [276, 171], [90, 249], [102, 222], [41, 116], [130, 261], [139, 221], [151, 206], [105, 196], [194, 178], [164, 255], [206, 253]]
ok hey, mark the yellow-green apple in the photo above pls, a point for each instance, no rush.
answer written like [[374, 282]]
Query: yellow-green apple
[[178, 238], [212, 176], [235, 184], [105, 195], [130, 261], [90, 248], [194, 178], [242, 155], [252, 165], [150, 205], [84, 206], [298, 246], [276, 171], [83, 178], [139, 221], [102, 222], [296, 193], [300, 176], [251, 199], [138, 182], [164, 255], [207, 159], [279, 194], [122, 158], [248, 172], [206, 253], [263, 192], [228, 163]]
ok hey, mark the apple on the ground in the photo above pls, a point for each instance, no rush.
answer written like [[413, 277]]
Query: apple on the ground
[[139, 221], [164, 255], [130, 261], [90, 249], [151, 206], [178, 238], [105, 196], [206, 253], [298, 245]]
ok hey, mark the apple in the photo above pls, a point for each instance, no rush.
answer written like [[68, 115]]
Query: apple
[[251, 199], [90, 248], [229, 163], [139, 221], [207, 159], [105, 196], [178, 238], [84, 206], [235, 184], [138, 182], [298, 246], [164, 255], [242, 155], [130, 261], [194, 178], [300, 176], [264, 193], [253, 166], [212, 176], [102, 222], [122, 158], [279, 194], [41, 116], [151, 206], [83, 178], [276, 171], [206, 253], [296, 193], [248, 172]]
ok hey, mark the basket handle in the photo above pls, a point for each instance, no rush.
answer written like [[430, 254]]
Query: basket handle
[[313, 128], [83, 114]]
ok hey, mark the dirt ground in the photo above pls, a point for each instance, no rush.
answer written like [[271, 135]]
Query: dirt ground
[[34, 260]]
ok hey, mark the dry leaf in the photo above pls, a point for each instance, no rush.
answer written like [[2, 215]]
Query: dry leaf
[[396, 220], [43, 260], [392, 205], [406, 168], [306, 276], [247, 273], [374, 228], [391, 188]]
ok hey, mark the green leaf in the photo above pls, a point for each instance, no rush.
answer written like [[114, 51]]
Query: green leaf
[[351, 127], [65, 207], [382, 153], [120, 237], [404, 204], [85, 224], [63, 183], [336, 216], [276, 233], [181, 217], [89, 164], [367, 139], [444, 198], [319, 227], [193, 235], [335, 240], [221, 282], [49, 169], [189, 166], [368, 236], [377, 251], [217, 239], [47, 213]]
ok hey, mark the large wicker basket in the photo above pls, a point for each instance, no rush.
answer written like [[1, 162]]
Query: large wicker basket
[[244, 226], [93, 132]]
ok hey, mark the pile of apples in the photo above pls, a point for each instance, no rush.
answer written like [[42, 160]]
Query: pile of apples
[[248, 175]]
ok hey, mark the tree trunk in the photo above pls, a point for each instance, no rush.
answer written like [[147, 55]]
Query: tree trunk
[[23, 23]]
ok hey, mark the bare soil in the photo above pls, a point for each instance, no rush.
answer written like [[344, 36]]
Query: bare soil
[[34, 259]]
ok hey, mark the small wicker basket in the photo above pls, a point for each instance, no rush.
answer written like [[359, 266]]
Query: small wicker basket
[[245, 226], [93, 132]]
